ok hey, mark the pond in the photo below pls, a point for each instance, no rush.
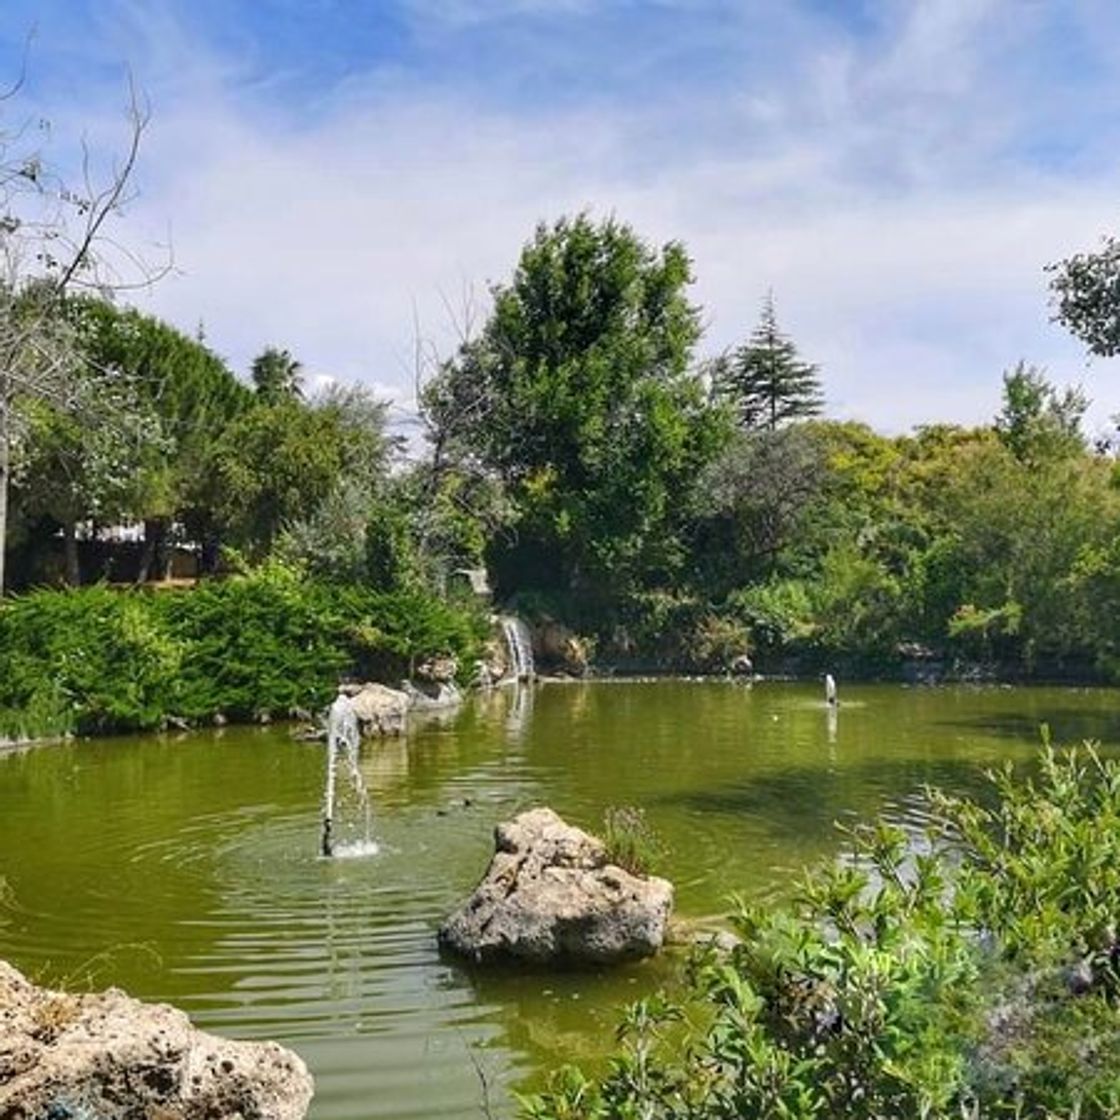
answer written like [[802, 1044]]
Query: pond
[[185, 868]]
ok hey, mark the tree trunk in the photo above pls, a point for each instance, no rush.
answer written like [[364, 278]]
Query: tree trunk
[[154, 559], [4, 459], [70, 546]]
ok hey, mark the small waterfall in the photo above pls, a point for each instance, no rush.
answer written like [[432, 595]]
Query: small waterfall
[[343, 740], [520, 647]]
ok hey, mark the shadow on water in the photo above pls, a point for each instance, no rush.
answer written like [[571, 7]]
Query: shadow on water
[[823, 798], [1068, 726]]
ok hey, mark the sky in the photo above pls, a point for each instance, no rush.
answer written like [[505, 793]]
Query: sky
[[344, 179]]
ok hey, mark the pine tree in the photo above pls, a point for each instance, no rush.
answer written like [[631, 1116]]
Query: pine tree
[[765, 381]]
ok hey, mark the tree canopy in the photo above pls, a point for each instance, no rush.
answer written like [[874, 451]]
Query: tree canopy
[[765, 381], [578, 395]]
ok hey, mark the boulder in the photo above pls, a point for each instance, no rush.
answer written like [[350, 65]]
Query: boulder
[[561, 648], [424, 697], [438, 670], [114, 1058], [380, 710], [550, 895]]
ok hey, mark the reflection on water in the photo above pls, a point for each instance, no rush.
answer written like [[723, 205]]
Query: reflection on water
[[187, 868]]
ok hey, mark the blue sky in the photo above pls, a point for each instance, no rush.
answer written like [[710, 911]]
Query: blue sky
[[337, 176]]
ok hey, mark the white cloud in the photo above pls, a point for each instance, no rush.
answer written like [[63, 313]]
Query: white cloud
[[871, 188]]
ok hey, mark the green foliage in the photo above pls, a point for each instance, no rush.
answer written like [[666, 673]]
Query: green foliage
[[714, 642], [87, 660], [391, 560], [778, 614], [272, 465], [96, 660], [764, 381], [577, 395], [754, 501], [970, 971], [1084, 288], [276, 376], [263, 642], [1037, 423], [631, 841]]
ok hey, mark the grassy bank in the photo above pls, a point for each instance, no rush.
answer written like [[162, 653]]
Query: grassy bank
[[96, 660]]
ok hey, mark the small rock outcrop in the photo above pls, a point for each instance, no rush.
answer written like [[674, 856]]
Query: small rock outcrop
[[550, 895], [438, 670], [560, 648], [112, 1057], [430, 697], [380, 710]]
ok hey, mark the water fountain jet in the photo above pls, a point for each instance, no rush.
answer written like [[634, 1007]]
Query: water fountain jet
[[343, 737], [830, 690]]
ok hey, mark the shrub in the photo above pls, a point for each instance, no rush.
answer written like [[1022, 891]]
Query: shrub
[[96, 660], [630, 840], [969, 972], [85, 660]]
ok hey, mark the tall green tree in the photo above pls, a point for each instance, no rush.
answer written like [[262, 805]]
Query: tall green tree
[[1037, 422], [278, 467], [277, 376], [192, 392], [55, 238], [578, 396], [87, 462], [765, 381]]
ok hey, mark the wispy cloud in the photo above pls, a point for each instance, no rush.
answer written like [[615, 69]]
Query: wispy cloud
[[899, 180]]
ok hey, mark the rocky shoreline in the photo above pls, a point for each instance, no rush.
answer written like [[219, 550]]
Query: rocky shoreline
[[69, 1056]]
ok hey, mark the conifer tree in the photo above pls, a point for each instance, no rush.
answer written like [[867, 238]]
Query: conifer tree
[[765, 381]]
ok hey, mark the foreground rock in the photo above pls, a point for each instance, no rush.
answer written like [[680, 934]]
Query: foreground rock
[[550, 895], [65, 1057]]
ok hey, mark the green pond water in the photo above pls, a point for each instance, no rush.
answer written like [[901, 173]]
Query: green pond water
[[185, 868]]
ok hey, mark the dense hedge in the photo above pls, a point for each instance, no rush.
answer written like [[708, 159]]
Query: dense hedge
[[99, 660], [972, 971]]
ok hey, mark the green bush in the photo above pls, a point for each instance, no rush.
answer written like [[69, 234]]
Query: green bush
[[97, 660], [263, 642], [971, 972], [87, 660]]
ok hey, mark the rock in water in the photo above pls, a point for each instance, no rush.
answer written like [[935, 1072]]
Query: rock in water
[[114, 1058], [380, 710], [549, 894]]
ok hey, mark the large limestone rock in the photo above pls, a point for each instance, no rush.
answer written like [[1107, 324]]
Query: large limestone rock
[[550, 895], [380, 710], [70, 1057]]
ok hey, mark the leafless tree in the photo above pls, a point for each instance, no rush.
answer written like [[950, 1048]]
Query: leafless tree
[[56, 236]]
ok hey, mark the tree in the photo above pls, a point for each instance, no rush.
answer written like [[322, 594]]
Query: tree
[[191, 391], [87, 462], [54, 238], [1037, 422], [1085, 291], [764, 380], [754, 500], [276, 465], [577, 396], [277, 376]]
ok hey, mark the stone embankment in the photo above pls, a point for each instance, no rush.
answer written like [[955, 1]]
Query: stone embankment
[[106, 1055]]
